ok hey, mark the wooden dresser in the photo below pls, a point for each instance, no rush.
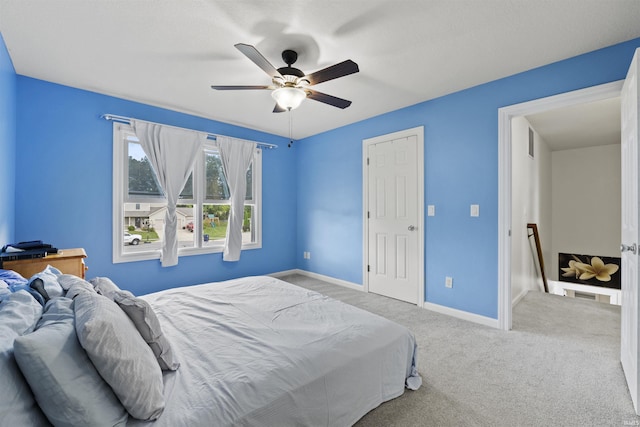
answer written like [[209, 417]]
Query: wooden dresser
[[68, 261]]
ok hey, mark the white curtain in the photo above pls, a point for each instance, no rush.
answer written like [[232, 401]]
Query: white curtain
[[236, 156], [172, 153]]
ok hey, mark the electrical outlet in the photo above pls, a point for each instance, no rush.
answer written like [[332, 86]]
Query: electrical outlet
[[448, 282], [475, 210], [431, 210], [308, 255]]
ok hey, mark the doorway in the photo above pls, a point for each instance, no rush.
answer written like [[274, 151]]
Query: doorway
[[505, 226], [393, 215], [566, 180]]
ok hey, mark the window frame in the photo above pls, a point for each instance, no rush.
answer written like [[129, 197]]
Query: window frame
[[121, 132]]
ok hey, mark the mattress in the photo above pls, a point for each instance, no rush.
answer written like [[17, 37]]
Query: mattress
[[258, 351]]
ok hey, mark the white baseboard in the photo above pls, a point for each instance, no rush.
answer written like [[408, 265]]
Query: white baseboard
[[322, 277], [519, 297], [279, 274], [475, 318], [470, 317]]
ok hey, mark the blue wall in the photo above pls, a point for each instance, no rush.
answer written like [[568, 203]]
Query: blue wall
[[461, 168], [63, 181], [64, 187], [7, 145]]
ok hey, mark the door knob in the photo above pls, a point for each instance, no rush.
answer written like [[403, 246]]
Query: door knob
[[632, 248], [412, 227]]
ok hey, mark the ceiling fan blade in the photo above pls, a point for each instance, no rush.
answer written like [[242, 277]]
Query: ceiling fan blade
[[333, 72], [327, 99], [278, 109], [241, 87], [257, 58]]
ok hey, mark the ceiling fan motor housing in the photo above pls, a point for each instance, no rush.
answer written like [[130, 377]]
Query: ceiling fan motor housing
[[290, 57], [290, 71]]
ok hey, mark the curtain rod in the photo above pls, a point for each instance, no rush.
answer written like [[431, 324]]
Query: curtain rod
[[127, 120]]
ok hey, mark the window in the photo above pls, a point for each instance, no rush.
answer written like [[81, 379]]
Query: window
[[203, 209]]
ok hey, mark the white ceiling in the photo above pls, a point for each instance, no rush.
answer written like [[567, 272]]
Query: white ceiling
[[169, 52], [579, 126]]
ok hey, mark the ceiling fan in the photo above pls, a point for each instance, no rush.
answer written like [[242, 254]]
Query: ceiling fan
[[290, 86]]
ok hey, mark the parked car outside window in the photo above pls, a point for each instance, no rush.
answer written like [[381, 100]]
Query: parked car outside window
[[131, 239]]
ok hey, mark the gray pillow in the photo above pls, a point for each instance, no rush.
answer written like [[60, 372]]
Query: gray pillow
[[120, 355], [67, 386], [104, 286], [19, 313], [147, 323], [74, 285]]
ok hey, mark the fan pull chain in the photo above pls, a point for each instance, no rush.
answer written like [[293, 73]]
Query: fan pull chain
[[290, 128]]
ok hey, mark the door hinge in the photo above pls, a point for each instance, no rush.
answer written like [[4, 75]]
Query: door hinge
[[368, 214], [367, 161], [368, 268]]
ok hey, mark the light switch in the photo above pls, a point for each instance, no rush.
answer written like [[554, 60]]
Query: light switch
[[475, 210], [431, 210]]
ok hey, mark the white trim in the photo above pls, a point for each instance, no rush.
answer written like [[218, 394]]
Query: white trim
[[459, 314], [560, 288], [505, 114], [419, 133], [517, 299], [504, 219], [283, 273], [322, 277], [116, 200], [365, 222]]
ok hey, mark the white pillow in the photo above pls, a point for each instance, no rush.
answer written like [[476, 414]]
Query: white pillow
[[67, 386], [120, 355], [19, 313]]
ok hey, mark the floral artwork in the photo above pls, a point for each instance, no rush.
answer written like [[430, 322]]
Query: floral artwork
[[589, 270]]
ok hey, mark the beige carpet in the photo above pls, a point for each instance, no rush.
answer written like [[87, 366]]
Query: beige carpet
[[559, 366]]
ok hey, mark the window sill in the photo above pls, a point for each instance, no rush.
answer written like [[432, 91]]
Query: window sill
[[155, 254]]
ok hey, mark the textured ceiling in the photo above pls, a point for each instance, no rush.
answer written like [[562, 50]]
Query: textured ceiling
[[169, 53]]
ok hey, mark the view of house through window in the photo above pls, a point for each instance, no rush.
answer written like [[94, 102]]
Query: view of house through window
[[202, 211]]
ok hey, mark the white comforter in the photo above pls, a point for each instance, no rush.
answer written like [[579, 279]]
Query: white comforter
[[258, 351]]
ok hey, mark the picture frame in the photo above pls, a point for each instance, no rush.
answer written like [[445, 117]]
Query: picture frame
[[591, 270]]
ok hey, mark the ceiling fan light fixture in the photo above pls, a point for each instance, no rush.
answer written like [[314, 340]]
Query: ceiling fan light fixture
[[289, 98]]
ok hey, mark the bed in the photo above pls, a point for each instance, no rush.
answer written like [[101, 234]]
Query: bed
[[259, 351]]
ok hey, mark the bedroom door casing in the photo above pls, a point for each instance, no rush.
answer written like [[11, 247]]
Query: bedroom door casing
[[630, 234], [394, 222]]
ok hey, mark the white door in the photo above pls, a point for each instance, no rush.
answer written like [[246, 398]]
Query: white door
[[629, 353], [393, 218]]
